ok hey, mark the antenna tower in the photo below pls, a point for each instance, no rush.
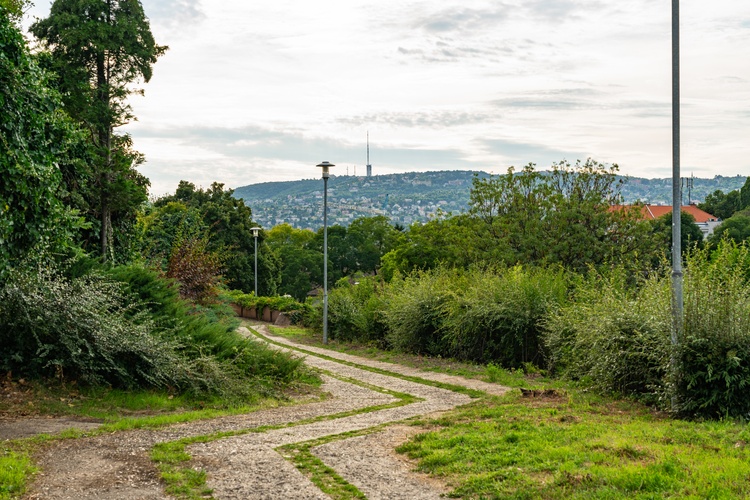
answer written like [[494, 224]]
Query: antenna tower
[[369, 167]]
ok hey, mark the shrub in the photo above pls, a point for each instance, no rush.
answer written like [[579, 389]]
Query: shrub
[[202, 337], [85, 328], [196, 269], [129, 328], [618, 338], [497, 316], [615, 337], [416, 309], [715, 350], [356, 310]]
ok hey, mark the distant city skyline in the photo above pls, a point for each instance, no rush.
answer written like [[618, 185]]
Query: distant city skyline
[[252, 92]]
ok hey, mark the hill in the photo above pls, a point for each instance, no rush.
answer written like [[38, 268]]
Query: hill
[[415, 196]]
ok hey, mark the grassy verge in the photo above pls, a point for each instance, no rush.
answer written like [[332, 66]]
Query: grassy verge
[[581, 446]]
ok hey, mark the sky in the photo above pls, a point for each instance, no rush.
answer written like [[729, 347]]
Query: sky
[[264, 90]]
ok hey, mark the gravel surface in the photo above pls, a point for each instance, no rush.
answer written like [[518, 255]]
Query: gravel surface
[[117, 466]]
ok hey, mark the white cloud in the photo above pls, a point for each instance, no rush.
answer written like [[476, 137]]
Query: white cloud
[[261, 91]]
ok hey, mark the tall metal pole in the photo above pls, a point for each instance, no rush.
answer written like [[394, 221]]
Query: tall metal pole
[[255, 235], [677, 299], [325, 259], [325, 166], [256, 265]]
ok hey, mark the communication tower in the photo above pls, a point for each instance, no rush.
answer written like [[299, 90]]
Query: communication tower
[[369, 167]]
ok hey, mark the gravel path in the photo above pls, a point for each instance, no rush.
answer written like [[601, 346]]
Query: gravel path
[[117, 466]]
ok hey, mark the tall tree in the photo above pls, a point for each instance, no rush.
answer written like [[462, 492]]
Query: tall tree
[[99, 49], [563, 216]]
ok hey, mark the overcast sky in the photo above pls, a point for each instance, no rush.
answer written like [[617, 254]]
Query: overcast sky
[[263, 90]]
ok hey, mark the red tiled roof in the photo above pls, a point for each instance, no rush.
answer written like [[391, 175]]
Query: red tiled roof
[[655, 211]]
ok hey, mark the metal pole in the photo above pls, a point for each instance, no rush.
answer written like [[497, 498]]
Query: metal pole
[[325, 260], [256, 264], [677, 298]]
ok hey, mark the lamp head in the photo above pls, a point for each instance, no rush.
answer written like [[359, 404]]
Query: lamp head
[[255, 231], [325, 165]]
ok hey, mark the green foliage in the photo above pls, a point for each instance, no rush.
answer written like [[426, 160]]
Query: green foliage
[[616, 337], [34, 135], [301, 266], [735, 228], [228, 222], [723, 205], [283, 304], [356, 310], [15, 468], [496, 316], [690, 234], [562, 217], [480, 315], [715, 352], [85, 328], [580, 446], [195, 268], [14, 8], [417, 309], [612, 336], [130, 329], [454, 241], [242, 366]]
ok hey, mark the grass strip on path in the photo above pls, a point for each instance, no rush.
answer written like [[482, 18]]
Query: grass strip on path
[[173, 460]]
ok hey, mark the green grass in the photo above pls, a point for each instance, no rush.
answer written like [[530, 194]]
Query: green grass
[[581, 446], [15, 468], [324, 477]]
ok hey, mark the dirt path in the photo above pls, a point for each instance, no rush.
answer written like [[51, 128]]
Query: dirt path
[[117, 466]]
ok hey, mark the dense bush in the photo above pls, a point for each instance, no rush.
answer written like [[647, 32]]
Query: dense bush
[[715, 352], [356, 310], [480, 315], [613, 336], [85, 328], [200, 335], [497, 316], [617, 338], [417, 308], [127, 327]]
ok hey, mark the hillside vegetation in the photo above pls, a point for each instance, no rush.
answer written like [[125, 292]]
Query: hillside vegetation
[[418, 196]]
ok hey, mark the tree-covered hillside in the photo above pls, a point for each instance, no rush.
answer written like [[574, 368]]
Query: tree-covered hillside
[[417, 196]]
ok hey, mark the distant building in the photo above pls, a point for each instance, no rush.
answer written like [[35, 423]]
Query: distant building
[[704, 220]]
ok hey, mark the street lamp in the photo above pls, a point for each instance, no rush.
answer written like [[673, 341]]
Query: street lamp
[[325, 166], [255, 235]]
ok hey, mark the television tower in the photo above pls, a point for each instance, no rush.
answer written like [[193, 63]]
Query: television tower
[[369, 167]]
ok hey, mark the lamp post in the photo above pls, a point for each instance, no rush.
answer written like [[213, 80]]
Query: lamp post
[[325, 166], [255, 235]]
